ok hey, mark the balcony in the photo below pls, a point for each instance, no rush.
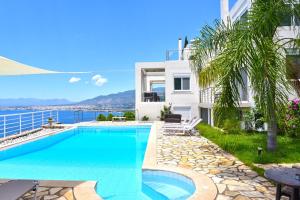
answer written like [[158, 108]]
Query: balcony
[[183, 54], [210, 95], [154, 96]]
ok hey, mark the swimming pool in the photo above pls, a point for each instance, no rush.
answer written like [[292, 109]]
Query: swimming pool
[[113, 156]]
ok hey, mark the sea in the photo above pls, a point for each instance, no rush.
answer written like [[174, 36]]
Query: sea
[[68, 116]]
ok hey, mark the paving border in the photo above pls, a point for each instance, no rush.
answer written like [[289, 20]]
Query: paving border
[[205, 187]]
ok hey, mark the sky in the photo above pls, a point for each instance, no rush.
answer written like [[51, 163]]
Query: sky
[[103, 37]]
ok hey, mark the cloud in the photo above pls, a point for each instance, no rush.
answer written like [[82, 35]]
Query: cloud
[[99, 80], [74, 80]]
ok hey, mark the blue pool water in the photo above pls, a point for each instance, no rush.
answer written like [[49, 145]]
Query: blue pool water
[[112, 156]]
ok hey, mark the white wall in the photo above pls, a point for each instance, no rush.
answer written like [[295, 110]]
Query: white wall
[[176, 98], [182, 98], [149, 109]]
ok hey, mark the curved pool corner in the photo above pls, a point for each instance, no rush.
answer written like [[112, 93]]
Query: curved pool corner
[[194, 186]]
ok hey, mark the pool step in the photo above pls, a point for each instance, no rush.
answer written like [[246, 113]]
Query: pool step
[[153, 194]]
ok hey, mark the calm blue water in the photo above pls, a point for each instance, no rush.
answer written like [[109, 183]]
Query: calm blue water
[[64, 116], [67, 116], [113, 156]]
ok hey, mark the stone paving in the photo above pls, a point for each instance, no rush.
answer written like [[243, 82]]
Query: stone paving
[[51, 193], [233, 179]]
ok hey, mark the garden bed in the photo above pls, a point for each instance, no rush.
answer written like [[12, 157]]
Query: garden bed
[[244, 146]]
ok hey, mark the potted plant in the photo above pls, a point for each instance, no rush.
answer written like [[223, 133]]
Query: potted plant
[[50, 121]]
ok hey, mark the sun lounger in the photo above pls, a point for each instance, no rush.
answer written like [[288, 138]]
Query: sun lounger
[[184, 128], [185, 123], [119, 119], [173, 118], [15, 189]]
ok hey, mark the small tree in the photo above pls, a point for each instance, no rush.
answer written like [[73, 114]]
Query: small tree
[[250, 46], [165, 111], [101, 117], [109, 117], [145, 118], [130, 116]]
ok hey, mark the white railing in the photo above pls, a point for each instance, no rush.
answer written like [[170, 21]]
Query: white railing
[[13, 124], [207, 95], [211, 94]]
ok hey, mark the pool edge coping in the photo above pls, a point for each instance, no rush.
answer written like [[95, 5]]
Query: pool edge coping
[[205, 189]]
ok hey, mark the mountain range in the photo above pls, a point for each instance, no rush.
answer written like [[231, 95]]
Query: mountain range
[[33, 102], [118, 100]]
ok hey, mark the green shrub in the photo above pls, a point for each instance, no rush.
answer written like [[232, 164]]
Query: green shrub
[[101, 117], [130, 116], [292, 119], [145, 118], [165, 111], [109, 117], [232, 126]]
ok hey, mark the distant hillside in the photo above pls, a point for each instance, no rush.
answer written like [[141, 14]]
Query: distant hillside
[[118, 100], [33, 102]]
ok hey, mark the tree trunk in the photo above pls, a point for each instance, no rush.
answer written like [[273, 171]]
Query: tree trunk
[[272, 133]]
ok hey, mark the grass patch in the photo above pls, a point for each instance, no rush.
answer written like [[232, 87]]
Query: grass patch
[[244, 146]]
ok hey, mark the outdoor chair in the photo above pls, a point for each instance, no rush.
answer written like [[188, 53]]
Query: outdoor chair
[[172, 118], [15, 189], [286, 190], [190, 128]]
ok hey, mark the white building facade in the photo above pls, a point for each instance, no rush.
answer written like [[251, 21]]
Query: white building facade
[[289, 29], [168, 83], [173, 82]]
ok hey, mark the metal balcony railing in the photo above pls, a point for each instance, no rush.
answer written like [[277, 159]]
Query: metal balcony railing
[[183, 54], [13, 124], [207, 95], [210, 95]]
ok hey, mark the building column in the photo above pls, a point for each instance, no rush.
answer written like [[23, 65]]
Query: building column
[[225, 11]]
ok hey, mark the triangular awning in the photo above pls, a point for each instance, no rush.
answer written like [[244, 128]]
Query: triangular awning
[[12, 68]]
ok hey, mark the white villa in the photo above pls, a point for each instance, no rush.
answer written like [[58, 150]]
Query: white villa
[[170, 82], [173, 82]]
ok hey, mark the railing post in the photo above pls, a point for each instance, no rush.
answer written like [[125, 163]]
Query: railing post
[[20, 117], [32, 120], [42, 118], [4, 127], [57, 116]]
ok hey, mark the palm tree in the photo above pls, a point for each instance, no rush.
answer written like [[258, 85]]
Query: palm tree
[[226, 50]]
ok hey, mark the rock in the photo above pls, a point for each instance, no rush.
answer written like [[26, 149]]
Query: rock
[[217, 179], [223, 197], [261, 189], [67, 193], [252, 194], [41, 189], [240, 197], [42, 193], [231, 193], [54, 190], [235, 183], [239, 188], [214, 171], [50, 197], [61, 198], [226, 163], [221, 188]]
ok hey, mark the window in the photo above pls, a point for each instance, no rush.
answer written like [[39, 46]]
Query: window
[[181, 83], [293, 63], [291, 17]]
